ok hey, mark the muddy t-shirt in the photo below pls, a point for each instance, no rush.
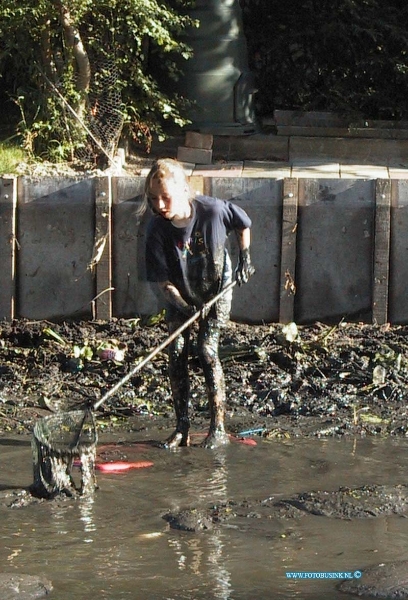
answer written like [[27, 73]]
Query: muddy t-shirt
[[194, 258]]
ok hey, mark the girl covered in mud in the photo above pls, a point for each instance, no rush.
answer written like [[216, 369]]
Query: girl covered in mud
[[187, 261]]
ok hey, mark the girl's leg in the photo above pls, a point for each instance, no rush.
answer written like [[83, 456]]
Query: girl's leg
[[180, 387], [208, 340]]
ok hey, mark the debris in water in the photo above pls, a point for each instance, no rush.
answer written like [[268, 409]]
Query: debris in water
[[256, 431]]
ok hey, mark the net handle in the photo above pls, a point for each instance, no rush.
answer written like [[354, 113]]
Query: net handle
[[161, 347]]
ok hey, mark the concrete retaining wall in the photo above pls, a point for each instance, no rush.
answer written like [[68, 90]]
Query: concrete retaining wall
[[324, 249]]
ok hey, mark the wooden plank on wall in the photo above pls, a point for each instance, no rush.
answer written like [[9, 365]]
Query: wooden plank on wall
[[288, 251], [8, 243], [103, 248], [381, 259], [197, 183]]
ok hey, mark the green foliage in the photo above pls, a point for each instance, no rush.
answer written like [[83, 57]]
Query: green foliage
[[345, 56], [349, 56], [118, 37], [10, 156]]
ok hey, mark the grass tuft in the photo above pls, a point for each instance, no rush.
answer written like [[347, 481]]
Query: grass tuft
[[11, 154]]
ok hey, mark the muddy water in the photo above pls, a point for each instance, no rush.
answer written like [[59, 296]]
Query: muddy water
[[116, 546]]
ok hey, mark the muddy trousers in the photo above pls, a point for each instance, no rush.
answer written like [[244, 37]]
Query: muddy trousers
[[207, 348]]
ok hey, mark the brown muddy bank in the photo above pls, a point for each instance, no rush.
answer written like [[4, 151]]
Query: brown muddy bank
[[315, 380]]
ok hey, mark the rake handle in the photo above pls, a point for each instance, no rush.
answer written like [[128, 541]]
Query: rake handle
[[161, 347]]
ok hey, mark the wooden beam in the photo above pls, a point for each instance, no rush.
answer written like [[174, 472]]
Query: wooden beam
[[103, 248], [8, 244], [381, 259], [197, 183], [288, 250]]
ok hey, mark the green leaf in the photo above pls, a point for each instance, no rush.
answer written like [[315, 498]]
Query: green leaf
[[154, 319], [374, 419], [48, 332]]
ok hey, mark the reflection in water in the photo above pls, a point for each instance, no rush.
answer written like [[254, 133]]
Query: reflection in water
[[196, 555], [203, 554], [16, 552], [217, 570], [86, 511], [216, 560], [116, 546], [59, 523]]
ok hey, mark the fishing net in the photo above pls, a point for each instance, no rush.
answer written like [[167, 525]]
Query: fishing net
[[59, 442], [105, 119]]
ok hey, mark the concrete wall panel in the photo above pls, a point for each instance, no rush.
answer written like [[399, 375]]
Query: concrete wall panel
[[262, 200], [357, 151], [8, 202], [398, 290], [133, 294], [333, 241], [55, 234], [334, 249], [252, 147]]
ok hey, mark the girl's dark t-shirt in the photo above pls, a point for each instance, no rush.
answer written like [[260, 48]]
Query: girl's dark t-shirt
[[194, 258]]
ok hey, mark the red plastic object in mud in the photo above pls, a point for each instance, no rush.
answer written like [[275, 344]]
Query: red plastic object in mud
[[118, 466], [122, 465], [241, 440]]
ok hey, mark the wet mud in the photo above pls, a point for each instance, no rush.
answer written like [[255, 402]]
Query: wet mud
[[384, 580], [194, 520], [320, 380], [23, 587], [389, 580], [345, 503], [352, 503]]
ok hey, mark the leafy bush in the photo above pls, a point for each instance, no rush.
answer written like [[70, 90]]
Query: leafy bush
[[79, 71]]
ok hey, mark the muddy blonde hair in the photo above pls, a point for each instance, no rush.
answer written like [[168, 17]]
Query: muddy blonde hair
[[164, 168]]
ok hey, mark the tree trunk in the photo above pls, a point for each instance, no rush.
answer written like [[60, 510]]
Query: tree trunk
[[75, 45]]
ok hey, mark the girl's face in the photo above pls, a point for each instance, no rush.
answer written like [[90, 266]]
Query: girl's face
[[169, 197]]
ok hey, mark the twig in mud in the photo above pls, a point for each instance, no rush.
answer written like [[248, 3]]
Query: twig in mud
[[11, 418], [321, 373], [325, 336], [93, 301], [356, 412]]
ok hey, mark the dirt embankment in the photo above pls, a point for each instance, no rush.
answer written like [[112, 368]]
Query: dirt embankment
[[317, 380]]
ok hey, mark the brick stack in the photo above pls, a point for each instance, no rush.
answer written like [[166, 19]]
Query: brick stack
[[197, 148]]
